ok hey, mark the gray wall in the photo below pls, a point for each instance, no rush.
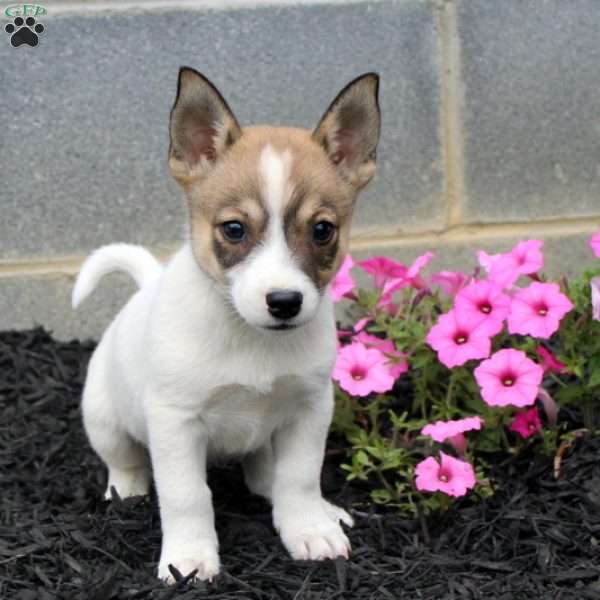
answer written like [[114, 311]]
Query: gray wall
[[491, 128]]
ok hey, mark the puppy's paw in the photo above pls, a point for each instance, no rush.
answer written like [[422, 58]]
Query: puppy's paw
[[316, 541], [204, 560], [315, 534]]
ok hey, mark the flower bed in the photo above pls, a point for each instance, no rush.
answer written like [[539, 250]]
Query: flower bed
[[442, 376]]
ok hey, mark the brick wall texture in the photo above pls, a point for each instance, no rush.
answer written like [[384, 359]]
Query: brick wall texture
[[490, 133]]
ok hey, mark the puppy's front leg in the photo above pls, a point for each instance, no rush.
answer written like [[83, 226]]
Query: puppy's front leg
[[309, 525], [178, 447]]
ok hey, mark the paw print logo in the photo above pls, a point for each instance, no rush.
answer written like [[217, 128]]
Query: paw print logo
[[24, 32]]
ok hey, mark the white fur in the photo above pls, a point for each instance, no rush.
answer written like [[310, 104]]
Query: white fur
[[182, 373], [271, 266], [135, 260]]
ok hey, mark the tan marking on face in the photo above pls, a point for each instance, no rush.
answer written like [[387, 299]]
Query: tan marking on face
[[233, 197], [320, 195], [232, 191], [254, 219]]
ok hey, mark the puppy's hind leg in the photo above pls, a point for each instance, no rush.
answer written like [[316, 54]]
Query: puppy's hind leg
[[126, 459], [133, 477], [258, 470]]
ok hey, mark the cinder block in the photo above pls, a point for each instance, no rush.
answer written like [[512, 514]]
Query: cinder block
[[85, 137], [532, 108], [30, 301]]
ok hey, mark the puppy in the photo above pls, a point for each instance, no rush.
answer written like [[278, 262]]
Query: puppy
[[227, 350]]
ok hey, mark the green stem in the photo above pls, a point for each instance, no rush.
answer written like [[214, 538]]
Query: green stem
[[385, 484], [373, 409], [395, 433], [449, 391], [557, 380], [504, 436]]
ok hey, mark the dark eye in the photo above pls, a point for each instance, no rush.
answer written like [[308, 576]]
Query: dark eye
[[233, 231], [323, 232]]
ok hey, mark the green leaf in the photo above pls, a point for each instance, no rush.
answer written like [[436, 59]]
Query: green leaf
[[362, 458], [381, 496], [570, 394], [594, 379]]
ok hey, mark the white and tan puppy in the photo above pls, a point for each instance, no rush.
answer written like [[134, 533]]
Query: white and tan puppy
[[227, 350]]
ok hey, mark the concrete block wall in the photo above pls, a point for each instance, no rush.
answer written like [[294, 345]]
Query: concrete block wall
[[491, 128]]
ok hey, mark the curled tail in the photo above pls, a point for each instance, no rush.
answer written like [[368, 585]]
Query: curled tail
[[135, 260]]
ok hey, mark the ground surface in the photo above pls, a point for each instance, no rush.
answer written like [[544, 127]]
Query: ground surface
[[537, 538]]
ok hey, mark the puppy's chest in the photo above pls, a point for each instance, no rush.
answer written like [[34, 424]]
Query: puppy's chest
[[241, 418]]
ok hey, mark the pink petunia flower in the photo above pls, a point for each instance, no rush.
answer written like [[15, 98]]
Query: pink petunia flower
[[342, 333], [414, 271], [449, 281], [509, 377], [487, 260], [386, 303], [442, 430], [343, 283], [501, 268], [412, 277], [361, 324], [526, 258], [396, 360], [595, 285], [453, 431], [383, 269], [360, 370], [451, 476], [483, 303], [527, 423], [457, 340], [595, 244], [538, 309], [550, 363]]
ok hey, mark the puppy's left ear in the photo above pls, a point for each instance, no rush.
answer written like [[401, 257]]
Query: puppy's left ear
[[202, 127], [349, 130]]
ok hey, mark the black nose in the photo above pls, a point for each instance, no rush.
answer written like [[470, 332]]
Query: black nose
[[284, 304]]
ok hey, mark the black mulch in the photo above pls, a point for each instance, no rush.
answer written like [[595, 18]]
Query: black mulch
[[537, 538]]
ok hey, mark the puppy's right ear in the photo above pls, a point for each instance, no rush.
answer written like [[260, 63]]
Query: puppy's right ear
[[202, 127]]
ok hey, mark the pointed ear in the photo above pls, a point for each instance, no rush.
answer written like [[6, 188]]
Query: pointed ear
[[202, 127], [349, 130]]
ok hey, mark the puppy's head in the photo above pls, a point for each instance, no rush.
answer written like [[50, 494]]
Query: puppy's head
[[270, 207]]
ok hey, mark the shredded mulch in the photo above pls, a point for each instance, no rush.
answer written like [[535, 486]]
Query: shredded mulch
[[538, 537]]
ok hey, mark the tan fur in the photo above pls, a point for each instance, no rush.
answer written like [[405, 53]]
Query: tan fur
[[231, 191], [328, 168]]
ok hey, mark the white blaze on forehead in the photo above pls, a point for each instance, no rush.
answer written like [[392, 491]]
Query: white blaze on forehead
[[274, 170], [271, 265]]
